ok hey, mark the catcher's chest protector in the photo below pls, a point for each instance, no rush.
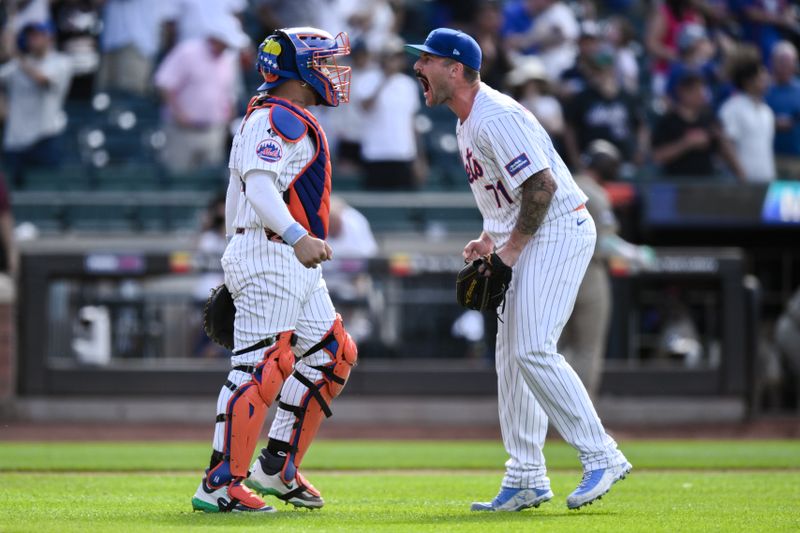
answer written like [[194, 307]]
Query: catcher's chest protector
[[308, 196]]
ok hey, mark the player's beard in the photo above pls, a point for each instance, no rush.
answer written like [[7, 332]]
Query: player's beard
[[433, 92]]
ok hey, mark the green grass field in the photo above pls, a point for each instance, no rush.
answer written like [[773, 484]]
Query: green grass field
[[404, 486]]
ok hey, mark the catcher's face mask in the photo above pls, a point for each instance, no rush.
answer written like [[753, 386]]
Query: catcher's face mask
[[309, 55]]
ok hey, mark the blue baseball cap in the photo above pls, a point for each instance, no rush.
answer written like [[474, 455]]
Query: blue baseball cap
[[455, 44]]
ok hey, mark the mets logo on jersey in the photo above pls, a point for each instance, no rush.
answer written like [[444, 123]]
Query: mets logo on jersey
[[517, 164], [270, 151]]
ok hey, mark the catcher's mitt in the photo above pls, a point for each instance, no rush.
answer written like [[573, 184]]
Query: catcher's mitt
[[483, 289], [218, 317]]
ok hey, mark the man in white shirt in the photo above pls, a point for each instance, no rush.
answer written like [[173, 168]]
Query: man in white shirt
[[747, 119], [37, 81], [390, 100]]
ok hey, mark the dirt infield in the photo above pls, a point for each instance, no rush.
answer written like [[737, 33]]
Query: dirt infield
[[771, 428]]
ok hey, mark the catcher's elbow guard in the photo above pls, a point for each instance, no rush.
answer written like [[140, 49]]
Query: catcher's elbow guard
[[248, 406]]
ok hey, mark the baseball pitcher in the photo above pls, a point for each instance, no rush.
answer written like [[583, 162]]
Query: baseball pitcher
[[536, 223]]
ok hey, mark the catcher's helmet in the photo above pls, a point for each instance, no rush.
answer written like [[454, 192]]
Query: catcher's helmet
[[309, 55]]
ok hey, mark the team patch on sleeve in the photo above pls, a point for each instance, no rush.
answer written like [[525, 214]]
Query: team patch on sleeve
[[517, 164], [269, 150]]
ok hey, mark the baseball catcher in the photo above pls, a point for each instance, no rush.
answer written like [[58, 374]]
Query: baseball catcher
[[290, 347]]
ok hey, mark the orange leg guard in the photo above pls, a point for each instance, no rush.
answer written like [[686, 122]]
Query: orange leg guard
[[248, 406], [315, 404]]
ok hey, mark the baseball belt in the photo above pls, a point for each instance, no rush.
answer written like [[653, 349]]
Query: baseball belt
[[271, 235]]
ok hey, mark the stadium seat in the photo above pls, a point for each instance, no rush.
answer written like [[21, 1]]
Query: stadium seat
[[127, 177], [64, 178]]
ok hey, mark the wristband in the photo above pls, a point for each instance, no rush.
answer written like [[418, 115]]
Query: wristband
[[294, 233]]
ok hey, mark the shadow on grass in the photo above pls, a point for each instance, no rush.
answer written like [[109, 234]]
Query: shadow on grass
[[307, 520]]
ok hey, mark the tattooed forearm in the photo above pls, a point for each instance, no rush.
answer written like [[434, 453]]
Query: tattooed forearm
[[537, 192]]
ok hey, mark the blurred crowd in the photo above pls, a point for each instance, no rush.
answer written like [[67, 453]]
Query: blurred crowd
[[684, 89]]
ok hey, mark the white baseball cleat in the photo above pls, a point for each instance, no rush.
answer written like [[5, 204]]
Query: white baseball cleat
[[299, 492], [511, 499], [595, 483], [220, 500]]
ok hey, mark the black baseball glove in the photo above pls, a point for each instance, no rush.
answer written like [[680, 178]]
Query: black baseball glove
[[482, 284], [218, 317]]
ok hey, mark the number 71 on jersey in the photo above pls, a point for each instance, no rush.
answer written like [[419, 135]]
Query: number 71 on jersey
[[499, 189]]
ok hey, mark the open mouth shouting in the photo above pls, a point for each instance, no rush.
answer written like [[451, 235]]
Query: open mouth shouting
[[426, 85]]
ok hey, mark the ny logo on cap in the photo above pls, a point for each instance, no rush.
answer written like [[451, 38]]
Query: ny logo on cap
[[456, 52]]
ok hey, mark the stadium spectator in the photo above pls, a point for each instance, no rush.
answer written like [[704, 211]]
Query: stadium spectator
[[661, 36], [552, 35], [352, 241], [787, 339], [197, 81], [347, 124], [688, 138], [518, 18], [584, 338], [575, 79], [746, 118], [604, 110], [275, 14], [486, 23], [130, 41], [349, 233], [530, 87], [622, 36], [372, 21], [193, 19], [696, 53], [77, 25], [763, 22], [390, 99], [36, 81], [784, 99], [463, 13], [717, 14], [22, 13], [209, 248], [9, 258]]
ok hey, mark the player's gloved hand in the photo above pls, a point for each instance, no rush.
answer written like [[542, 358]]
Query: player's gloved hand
[[311, 251], [479, 247]]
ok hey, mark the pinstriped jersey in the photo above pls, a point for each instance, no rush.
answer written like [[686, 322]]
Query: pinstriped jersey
[[256, 146], [502, 145]]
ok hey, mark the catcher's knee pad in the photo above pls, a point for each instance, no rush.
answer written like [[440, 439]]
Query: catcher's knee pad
[[315, 403], [341, 348], [248, 406]]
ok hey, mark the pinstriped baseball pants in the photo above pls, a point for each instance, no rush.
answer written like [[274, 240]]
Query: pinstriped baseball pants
[[535, 384], [273, 292]]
